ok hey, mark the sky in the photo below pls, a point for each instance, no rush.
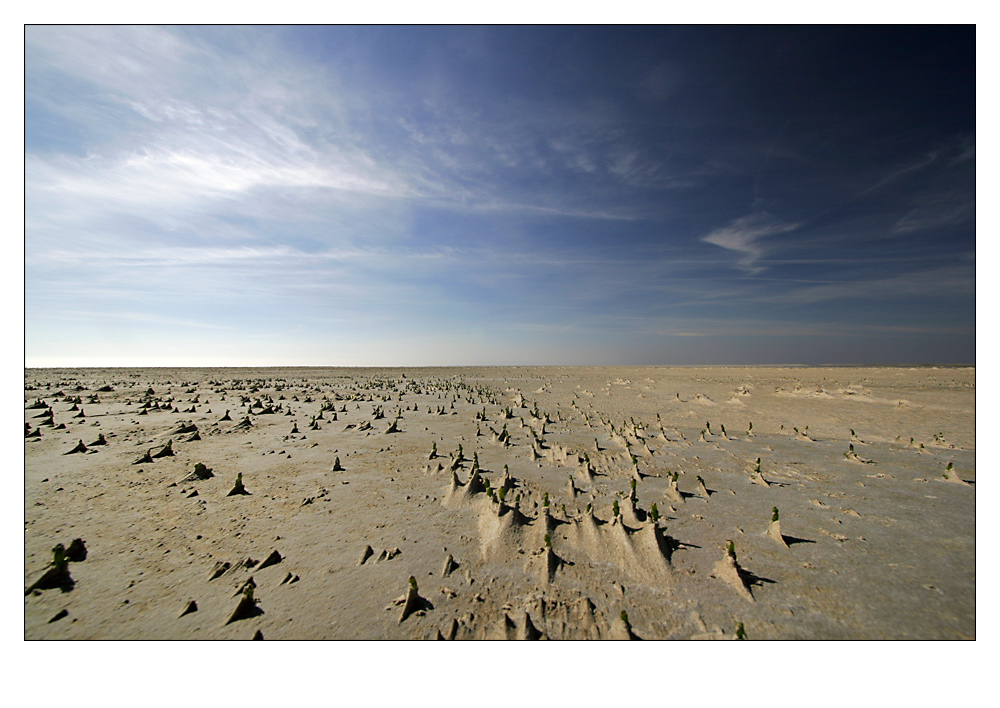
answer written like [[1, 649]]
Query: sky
[[422, 196]]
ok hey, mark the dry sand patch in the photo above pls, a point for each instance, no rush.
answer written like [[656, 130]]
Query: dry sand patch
[[549, 526]]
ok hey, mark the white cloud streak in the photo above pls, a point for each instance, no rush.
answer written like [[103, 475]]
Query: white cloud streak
[[746, 236], [937, 212]]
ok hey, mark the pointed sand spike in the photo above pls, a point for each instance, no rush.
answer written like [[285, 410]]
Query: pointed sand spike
[[80, 447], [449, 566], [528, 631], [413, 601], [950, 475], [272, 559], [247, 607], [728, 570], [774, 528], [165, 451], [366, 553]]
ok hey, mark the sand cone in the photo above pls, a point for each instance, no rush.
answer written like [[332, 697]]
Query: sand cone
[[166, 451], [367, 553], [244, 424], [550, 564], [247, 607], [506, 630], [413, 601], [190, 607], [774, 528], [450, 632], [950, 475], [631, 513], [728, 570], [200, 472], [853, 457], [506, 481], [527, 630], [756, 477], [475, 484], [272, 559], [449, 566], [184, 428], [621, 628], [238, 488], [673, 494], [248, 583], [80, 447], [219, 569], [452, 493], [582, 617]]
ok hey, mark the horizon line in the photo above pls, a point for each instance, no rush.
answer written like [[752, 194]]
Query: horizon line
[[519, 366]]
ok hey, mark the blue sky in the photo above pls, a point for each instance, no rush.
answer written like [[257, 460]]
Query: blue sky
[[508, 195]]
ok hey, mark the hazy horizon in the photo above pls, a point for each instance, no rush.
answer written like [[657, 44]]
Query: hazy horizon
[[528, 366], [403, 197]]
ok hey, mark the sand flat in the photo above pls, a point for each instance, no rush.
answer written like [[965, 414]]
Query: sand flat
[[879, 536]]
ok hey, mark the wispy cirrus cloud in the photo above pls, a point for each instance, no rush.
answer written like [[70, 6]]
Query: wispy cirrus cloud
[[951, 281], [940, 211], [954, 151], [746, 236]]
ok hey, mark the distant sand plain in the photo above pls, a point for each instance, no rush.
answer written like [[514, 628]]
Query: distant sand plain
[[851, 526]]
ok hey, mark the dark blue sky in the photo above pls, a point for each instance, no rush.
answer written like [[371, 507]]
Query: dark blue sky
[[578, 195]]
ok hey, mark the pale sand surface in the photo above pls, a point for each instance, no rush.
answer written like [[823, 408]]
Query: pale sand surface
[[866, 550]]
